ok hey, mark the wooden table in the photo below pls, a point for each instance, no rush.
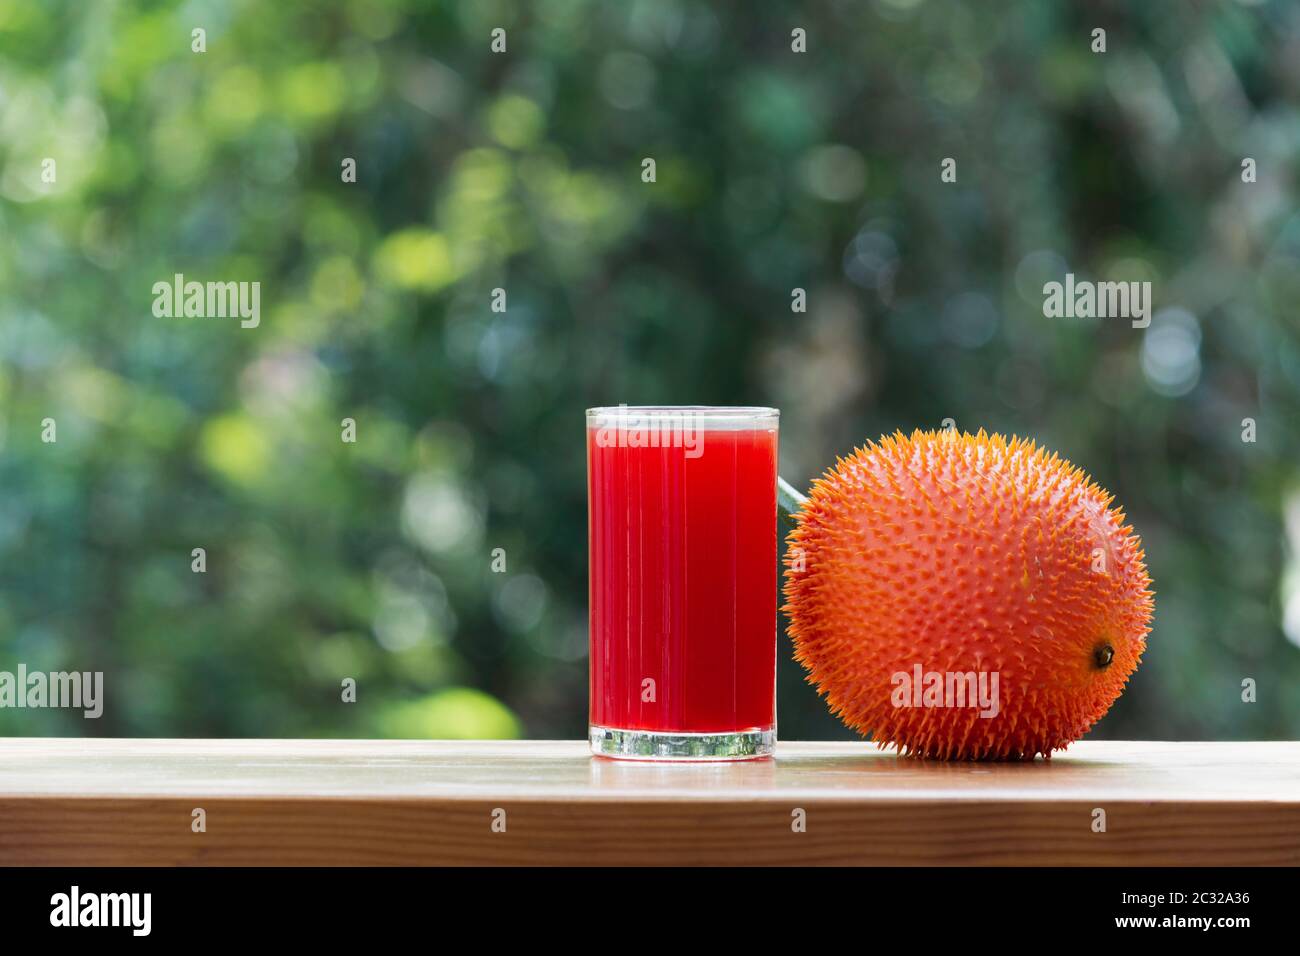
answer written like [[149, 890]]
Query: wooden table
[[102, 802]]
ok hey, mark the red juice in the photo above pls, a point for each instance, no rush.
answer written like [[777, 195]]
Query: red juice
[[682, 544]]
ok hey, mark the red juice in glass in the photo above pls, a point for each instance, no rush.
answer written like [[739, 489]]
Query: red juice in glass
[[682, 546]]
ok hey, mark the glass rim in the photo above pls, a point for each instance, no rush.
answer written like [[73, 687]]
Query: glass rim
[[695, 415]]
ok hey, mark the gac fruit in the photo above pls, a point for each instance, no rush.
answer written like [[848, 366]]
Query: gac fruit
[[964, 596]]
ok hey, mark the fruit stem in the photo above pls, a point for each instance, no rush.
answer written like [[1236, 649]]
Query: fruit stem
[[787, 499]]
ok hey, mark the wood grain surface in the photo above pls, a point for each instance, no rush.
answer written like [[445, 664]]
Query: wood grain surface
[[322, 802]]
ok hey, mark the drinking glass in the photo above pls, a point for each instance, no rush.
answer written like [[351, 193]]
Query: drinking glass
[[682, 547]]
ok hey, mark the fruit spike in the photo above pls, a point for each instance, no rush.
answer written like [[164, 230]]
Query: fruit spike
[[936, 578]]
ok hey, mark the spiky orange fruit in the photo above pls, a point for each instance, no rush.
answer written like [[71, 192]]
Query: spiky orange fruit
[[965, 596]]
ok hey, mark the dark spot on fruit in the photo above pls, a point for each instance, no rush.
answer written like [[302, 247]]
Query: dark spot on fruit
[[1102, 655]]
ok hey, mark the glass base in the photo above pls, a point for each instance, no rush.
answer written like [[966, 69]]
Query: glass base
[[670, 745]]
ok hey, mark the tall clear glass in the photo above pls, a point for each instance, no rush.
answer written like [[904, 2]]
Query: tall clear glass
[[683, 591]]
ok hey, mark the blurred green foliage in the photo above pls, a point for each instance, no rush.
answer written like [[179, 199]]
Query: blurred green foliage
[[522, 170]]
